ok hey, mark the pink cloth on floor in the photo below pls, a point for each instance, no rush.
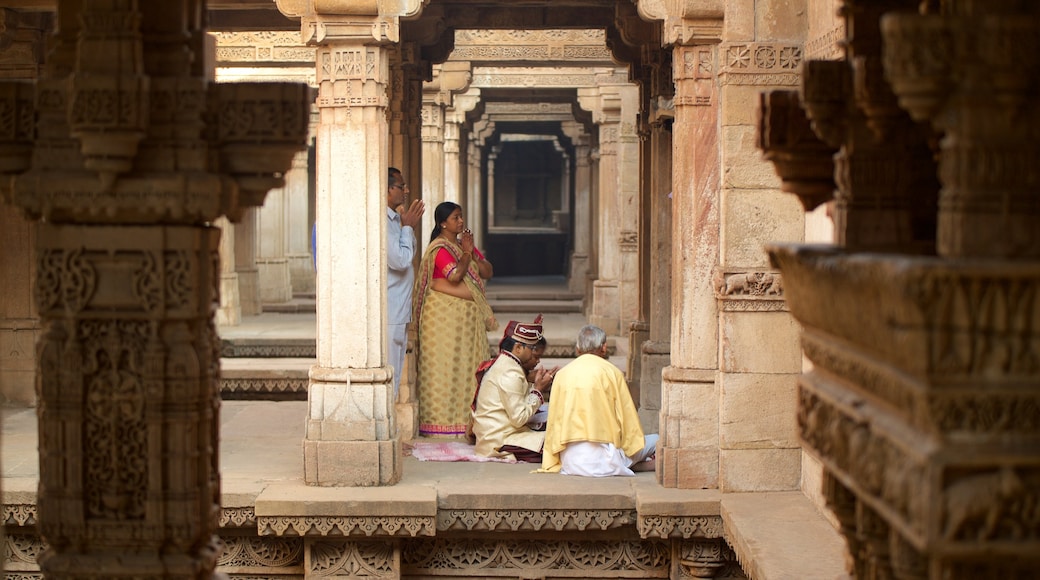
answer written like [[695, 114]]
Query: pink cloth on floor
[[450, 451]]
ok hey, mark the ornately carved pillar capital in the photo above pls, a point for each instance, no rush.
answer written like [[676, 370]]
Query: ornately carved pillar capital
[[803, 161]]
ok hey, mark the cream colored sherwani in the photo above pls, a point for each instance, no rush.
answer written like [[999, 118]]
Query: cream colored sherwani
[[504, 405]]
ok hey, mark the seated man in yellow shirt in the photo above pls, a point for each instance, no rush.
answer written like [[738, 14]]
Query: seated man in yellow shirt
[[593, 428]]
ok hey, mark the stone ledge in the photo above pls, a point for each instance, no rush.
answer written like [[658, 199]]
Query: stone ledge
[[781, 536]]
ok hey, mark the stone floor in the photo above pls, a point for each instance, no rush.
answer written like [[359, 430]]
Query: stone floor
[[774, 535]]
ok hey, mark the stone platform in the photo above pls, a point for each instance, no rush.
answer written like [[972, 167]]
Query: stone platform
[[463, 520], [492, 519]]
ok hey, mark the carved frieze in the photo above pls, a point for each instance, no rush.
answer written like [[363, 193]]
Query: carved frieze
[[533, 520], [271, 554], [346, 526], [240, 517], [752, 291], [19, 515], [282, 389], [262, 46], [347, 559], [827, 46], [686, 527], [694, 69], [592, 558], [760, 64]]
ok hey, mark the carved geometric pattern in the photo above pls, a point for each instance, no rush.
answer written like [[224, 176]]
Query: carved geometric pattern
[[680, 527], [22, 549], [346, 526], [281, 389], [645, 559], [282, 348], [19, 515], [351, 559], [243, 517], [533, 520], [261, 552]]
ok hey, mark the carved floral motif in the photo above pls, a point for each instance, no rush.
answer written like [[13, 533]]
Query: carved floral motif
[[431, 556]]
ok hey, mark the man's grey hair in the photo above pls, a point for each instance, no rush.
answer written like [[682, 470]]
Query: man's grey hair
[[590, 338]]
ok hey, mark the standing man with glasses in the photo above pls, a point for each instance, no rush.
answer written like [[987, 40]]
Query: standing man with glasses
[[400, 250]]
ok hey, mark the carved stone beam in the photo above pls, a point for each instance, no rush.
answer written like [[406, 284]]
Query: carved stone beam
[[804, 162], [972, 72], [824, 93], [259, 129], [17, 115], [870, 91], [450, 78]]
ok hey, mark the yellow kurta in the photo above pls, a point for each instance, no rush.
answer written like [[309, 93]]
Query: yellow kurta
[[504, 406], [590, 402]]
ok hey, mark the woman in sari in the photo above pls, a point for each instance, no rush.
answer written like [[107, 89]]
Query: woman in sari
[[453, 316]]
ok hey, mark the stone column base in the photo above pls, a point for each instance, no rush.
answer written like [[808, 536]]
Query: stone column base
[[301, 274], [249, 291], [654, 357], [275, 281], [578, 273], [352, 437], [688, 451], [230, 311], [605, 311]]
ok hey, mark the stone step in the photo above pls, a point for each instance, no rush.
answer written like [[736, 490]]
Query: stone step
[[306, 348], [265, 379]]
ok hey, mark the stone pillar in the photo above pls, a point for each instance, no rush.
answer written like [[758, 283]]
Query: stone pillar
[[352, 435], [275, 285], [229, 313], [455, 118], [605, 308], [298, 226], [448, 79], [579, 261], [245, 263], [655, 351], [127, 278], [22, 35], [688, 452]]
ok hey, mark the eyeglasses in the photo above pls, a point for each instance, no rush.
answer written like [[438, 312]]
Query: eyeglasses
[[399, 185]]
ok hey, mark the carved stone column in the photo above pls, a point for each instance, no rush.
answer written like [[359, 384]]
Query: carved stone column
[[605, 308], [454, 161], [245, 263], [274, 282], [580, 234], [22, 36], [922, 400], [298, 225], [884, 202], [688, 452], [229, 313], [135, 153], [655, 352], [448, 79], [352, 434]]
